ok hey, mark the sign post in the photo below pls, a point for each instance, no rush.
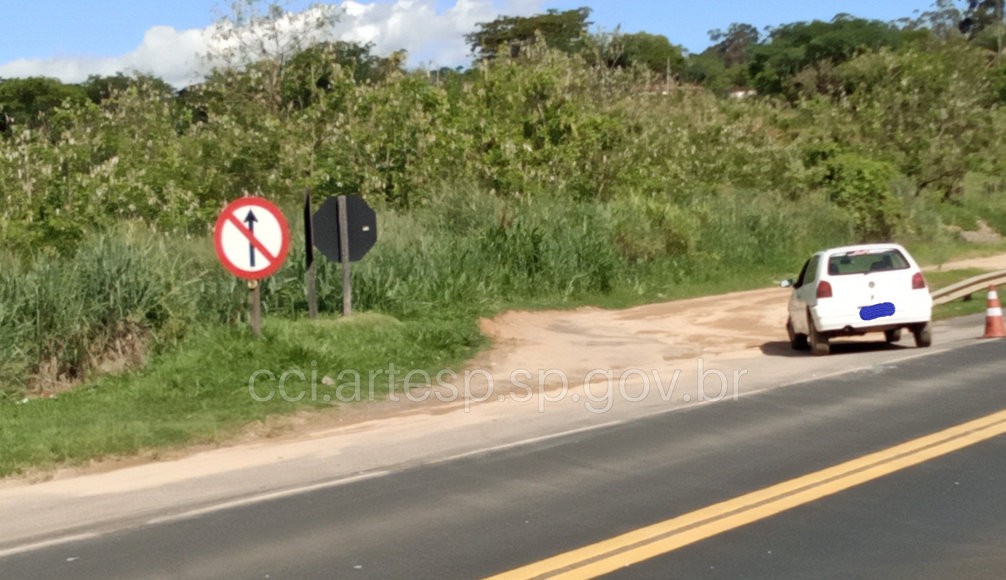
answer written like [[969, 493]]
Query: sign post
[[310, 275], [344, 229], [255, 306], [347, 279], [252, 240]]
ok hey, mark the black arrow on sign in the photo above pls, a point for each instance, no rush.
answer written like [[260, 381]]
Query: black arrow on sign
[[250, 220]]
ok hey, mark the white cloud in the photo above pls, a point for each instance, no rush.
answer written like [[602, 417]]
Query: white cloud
[[432, 40], [170, 54], [415, 26], [165, 52]]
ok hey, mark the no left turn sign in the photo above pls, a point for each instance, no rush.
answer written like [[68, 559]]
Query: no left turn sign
[[252, 238]]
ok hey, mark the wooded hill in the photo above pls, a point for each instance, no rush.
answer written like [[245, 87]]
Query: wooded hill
[[561, 164]]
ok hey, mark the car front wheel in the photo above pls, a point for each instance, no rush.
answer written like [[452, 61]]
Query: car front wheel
[[796, 340]]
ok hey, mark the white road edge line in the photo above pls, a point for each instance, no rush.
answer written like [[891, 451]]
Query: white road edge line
[[523, 442], [47, 544], [299, 490], [246, 501], [362, 477]]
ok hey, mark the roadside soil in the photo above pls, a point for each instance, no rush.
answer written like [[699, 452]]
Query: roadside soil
[[738, 325], [732, 325]]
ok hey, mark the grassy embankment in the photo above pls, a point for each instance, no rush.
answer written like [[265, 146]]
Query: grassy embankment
[[165, 322]]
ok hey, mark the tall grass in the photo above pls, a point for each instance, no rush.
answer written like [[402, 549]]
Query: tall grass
[[466, 261], [128, 292], [118, 295]]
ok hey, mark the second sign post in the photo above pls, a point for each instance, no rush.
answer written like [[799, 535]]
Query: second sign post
[[344, 229]]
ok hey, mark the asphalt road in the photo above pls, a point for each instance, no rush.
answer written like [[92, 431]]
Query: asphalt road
[[485, 514]]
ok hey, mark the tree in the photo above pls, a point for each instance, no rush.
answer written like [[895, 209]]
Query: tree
[[942, 21], [930, 112], [101, 88], [651, 51], [708, 70], [259, 38], [794, 47], [983, 25], [26, 101], [328, 66], [565, 31], [981, 15], [734, 46], [724, 65]]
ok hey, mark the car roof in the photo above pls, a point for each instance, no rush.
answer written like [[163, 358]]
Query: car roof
[[863, 248]]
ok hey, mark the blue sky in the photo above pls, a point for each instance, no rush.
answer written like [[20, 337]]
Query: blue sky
[[70, 39]]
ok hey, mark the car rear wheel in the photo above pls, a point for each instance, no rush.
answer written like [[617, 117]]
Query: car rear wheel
[[923, 334], [893, 335], [796, 340], [819, 344]]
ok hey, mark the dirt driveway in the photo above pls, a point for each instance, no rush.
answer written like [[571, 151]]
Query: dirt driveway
[[645, 336], [732, 325]]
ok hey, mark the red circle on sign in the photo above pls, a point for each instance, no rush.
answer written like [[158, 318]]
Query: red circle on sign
[[276, 259]]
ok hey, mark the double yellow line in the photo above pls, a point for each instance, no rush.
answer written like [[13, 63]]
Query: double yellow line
[[663, 537]]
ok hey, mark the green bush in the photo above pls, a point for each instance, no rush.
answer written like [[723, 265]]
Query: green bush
[[864, 188]]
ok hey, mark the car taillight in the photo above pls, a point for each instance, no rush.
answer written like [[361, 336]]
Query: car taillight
[[918, 281], [824, 289]]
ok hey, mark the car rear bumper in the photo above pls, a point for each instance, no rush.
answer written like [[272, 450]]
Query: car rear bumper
[[839, 320]]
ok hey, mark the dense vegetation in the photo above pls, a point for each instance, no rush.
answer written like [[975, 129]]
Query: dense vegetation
[[595, 167]]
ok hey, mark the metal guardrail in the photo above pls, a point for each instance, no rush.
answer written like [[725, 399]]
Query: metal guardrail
[[966, 288]]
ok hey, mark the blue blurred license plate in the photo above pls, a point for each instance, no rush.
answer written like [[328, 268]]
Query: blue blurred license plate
[[882, 310]]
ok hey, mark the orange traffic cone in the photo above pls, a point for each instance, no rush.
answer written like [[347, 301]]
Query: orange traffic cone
[[994, 326]]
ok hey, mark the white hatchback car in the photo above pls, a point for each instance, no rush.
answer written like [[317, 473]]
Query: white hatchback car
[[853, 290]]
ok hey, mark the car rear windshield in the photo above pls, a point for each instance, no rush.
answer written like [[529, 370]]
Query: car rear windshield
[[865, 261]]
